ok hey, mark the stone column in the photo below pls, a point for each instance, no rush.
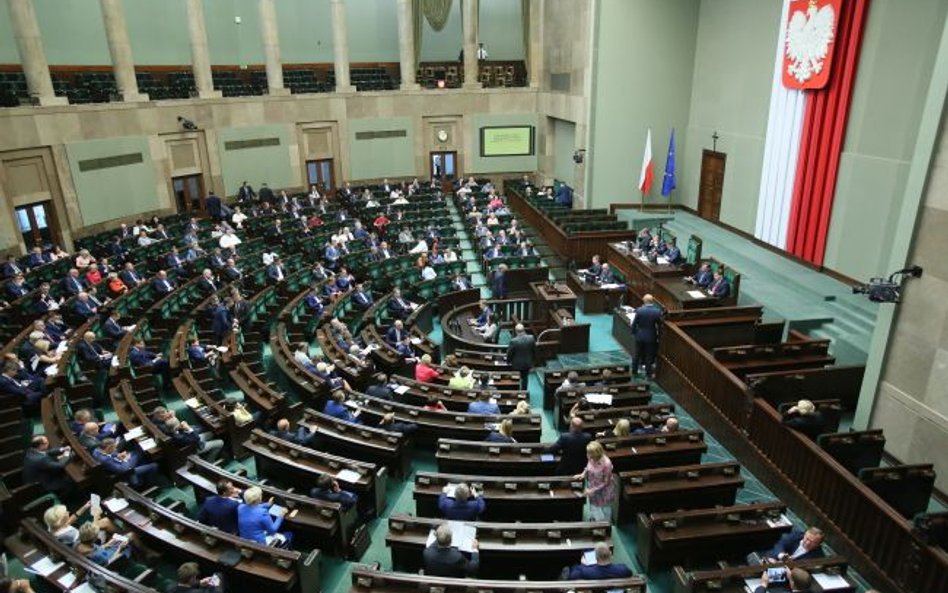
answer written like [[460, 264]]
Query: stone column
[[535, 48], [271, 48], [406, 45], [123, 65], [200, 56], [471, 71], [340, 47], [29, 44]]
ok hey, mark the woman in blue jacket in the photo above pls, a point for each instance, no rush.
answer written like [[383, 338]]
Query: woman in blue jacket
[[254, 521]]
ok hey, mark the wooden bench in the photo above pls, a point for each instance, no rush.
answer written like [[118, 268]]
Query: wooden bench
[[299, 466], [623, 394], [365, 580], [839, 382], [731, 579], [507, 550], [855, 450], [259, 565], [317, 522], [681, 487], [365, 443], [508, 499], [605, 419], [695, 536], [553, 379], [907, 488], [759, 358]]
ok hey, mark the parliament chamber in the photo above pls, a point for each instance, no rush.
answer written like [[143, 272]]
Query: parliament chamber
[[473, 296]]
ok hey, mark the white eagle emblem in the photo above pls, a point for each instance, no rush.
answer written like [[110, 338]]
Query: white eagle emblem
[[808, 39]]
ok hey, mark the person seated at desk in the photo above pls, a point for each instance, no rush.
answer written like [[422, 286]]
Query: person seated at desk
[[656, 246], [424, 372], [428, 273], [47, 467], [85, 307], [493, 252], [702, 278], [647, 427], [595, 268], [606, 275], [396, 333], [113, 327], [220, 510], [161, 284], [460, 282], [570, 382], [623, 428], [462, 379], [301, 436], [328, 489], [104, 553], [720, 287], [797, 579], [126, 464], [441, 559], [405, 349], [362, 298], [489, 330], [462, 505], [797, 545], [603, 569], [254, 521], [503, 433], [142, 358], [182, 434], [643, 239], [399, 307], [484, 314], [483, 405], [672, 253], [805, 418]]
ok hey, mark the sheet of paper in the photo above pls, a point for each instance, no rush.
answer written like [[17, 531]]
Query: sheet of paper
[[192, 402], [221, 349], [829, 582], [661, 260], [696, 294], [449, 490], [603, 399], [589, 557], [783, 520], [67, 580], [134, 433], [51, 370], [62, 347], [115, 504], [148, 444], [347, 475], [95, 504], [462, 535], [401, 389], [415, 341], [45, 567], [115, 362], [84, 588], [610, 286]]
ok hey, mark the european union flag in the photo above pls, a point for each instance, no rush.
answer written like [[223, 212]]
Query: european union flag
[[668, 183]]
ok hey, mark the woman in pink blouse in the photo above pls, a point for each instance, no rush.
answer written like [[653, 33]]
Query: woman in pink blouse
[[599, 487]]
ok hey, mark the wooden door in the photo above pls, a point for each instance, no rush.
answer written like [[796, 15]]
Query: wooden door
[[189, 193], [37, 225], [444, 168], [712, 184], [319, 173]]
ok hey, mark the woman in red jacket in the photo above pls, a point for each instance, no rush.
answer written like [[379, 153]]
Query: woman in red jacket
[[424, 372]]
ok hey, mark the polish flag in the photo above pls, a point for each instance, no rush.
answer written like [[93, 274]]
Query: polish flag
[[648, 168]]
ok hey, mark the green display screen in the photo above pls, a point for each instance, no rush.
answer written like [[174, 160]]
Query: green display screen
[[507, 141]]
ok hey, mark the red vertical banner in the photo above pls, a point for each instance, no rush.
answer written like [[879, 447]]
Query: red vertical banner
[[824, 133]]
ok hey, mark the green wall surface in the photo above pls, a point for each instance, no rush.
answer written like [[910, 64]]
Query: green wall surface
[[898, 55], [500, 164], [642, 78], [264, 164], [564, 145], [118, 191], [158, 32], [501, 29], [72, 32], [381, 157], [373, 31], [730, 95], [8, 52], [306, 32], [443, 45], [230, 43]]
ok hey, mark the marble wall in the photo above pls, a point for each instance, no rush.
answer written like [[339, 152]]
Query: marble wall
[[911, 404], [48, 131]]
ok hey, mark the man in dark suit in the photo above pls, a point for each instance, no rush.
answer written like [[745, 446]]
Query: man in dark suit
[[11, 384], [327, 488], [213, 205], [232, 272], [398, 307], [464, 505], [395, 333], [702, 277], [266, 194], [720, 287], [84, 306], [604, 568], [362, 298], [461, 283], [11, 268], [672, 253], [275, 273], [161, 284], [112, 326], [222, 322], [300, 436], [142, 358], [221, 510], [645, 327], [499, 282], [606, 275], [797, 545], [48, 467], [190, 581], [130, 276], [520, 354], [572, 448], [246, 192], [73, 284], [125, 464], [207, 284], [17, 287], [443, 560]]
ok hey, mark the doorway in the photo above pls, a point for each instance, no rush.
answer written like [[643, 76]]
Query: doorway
[[37, 224], [444, 168], [189, 193], [319, 173], [712, 184]]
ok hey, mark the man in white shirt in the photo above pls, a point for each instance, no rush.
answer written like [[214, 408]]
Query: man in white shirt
[[481, 52]]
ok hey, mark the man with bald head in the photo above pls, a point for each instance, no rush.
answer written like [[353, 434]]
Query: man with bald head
[[645, 328], [571, 447], [520, 354]]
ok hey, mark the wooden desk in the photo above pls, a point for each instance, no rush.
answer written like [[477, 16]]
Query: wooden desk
[[731, 579], [507, 550], [673, 294], [508, 499], [366, 580], [592, 297], [365, 443], [689, 537], [681, 487], [552, 297], [641, 275]]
